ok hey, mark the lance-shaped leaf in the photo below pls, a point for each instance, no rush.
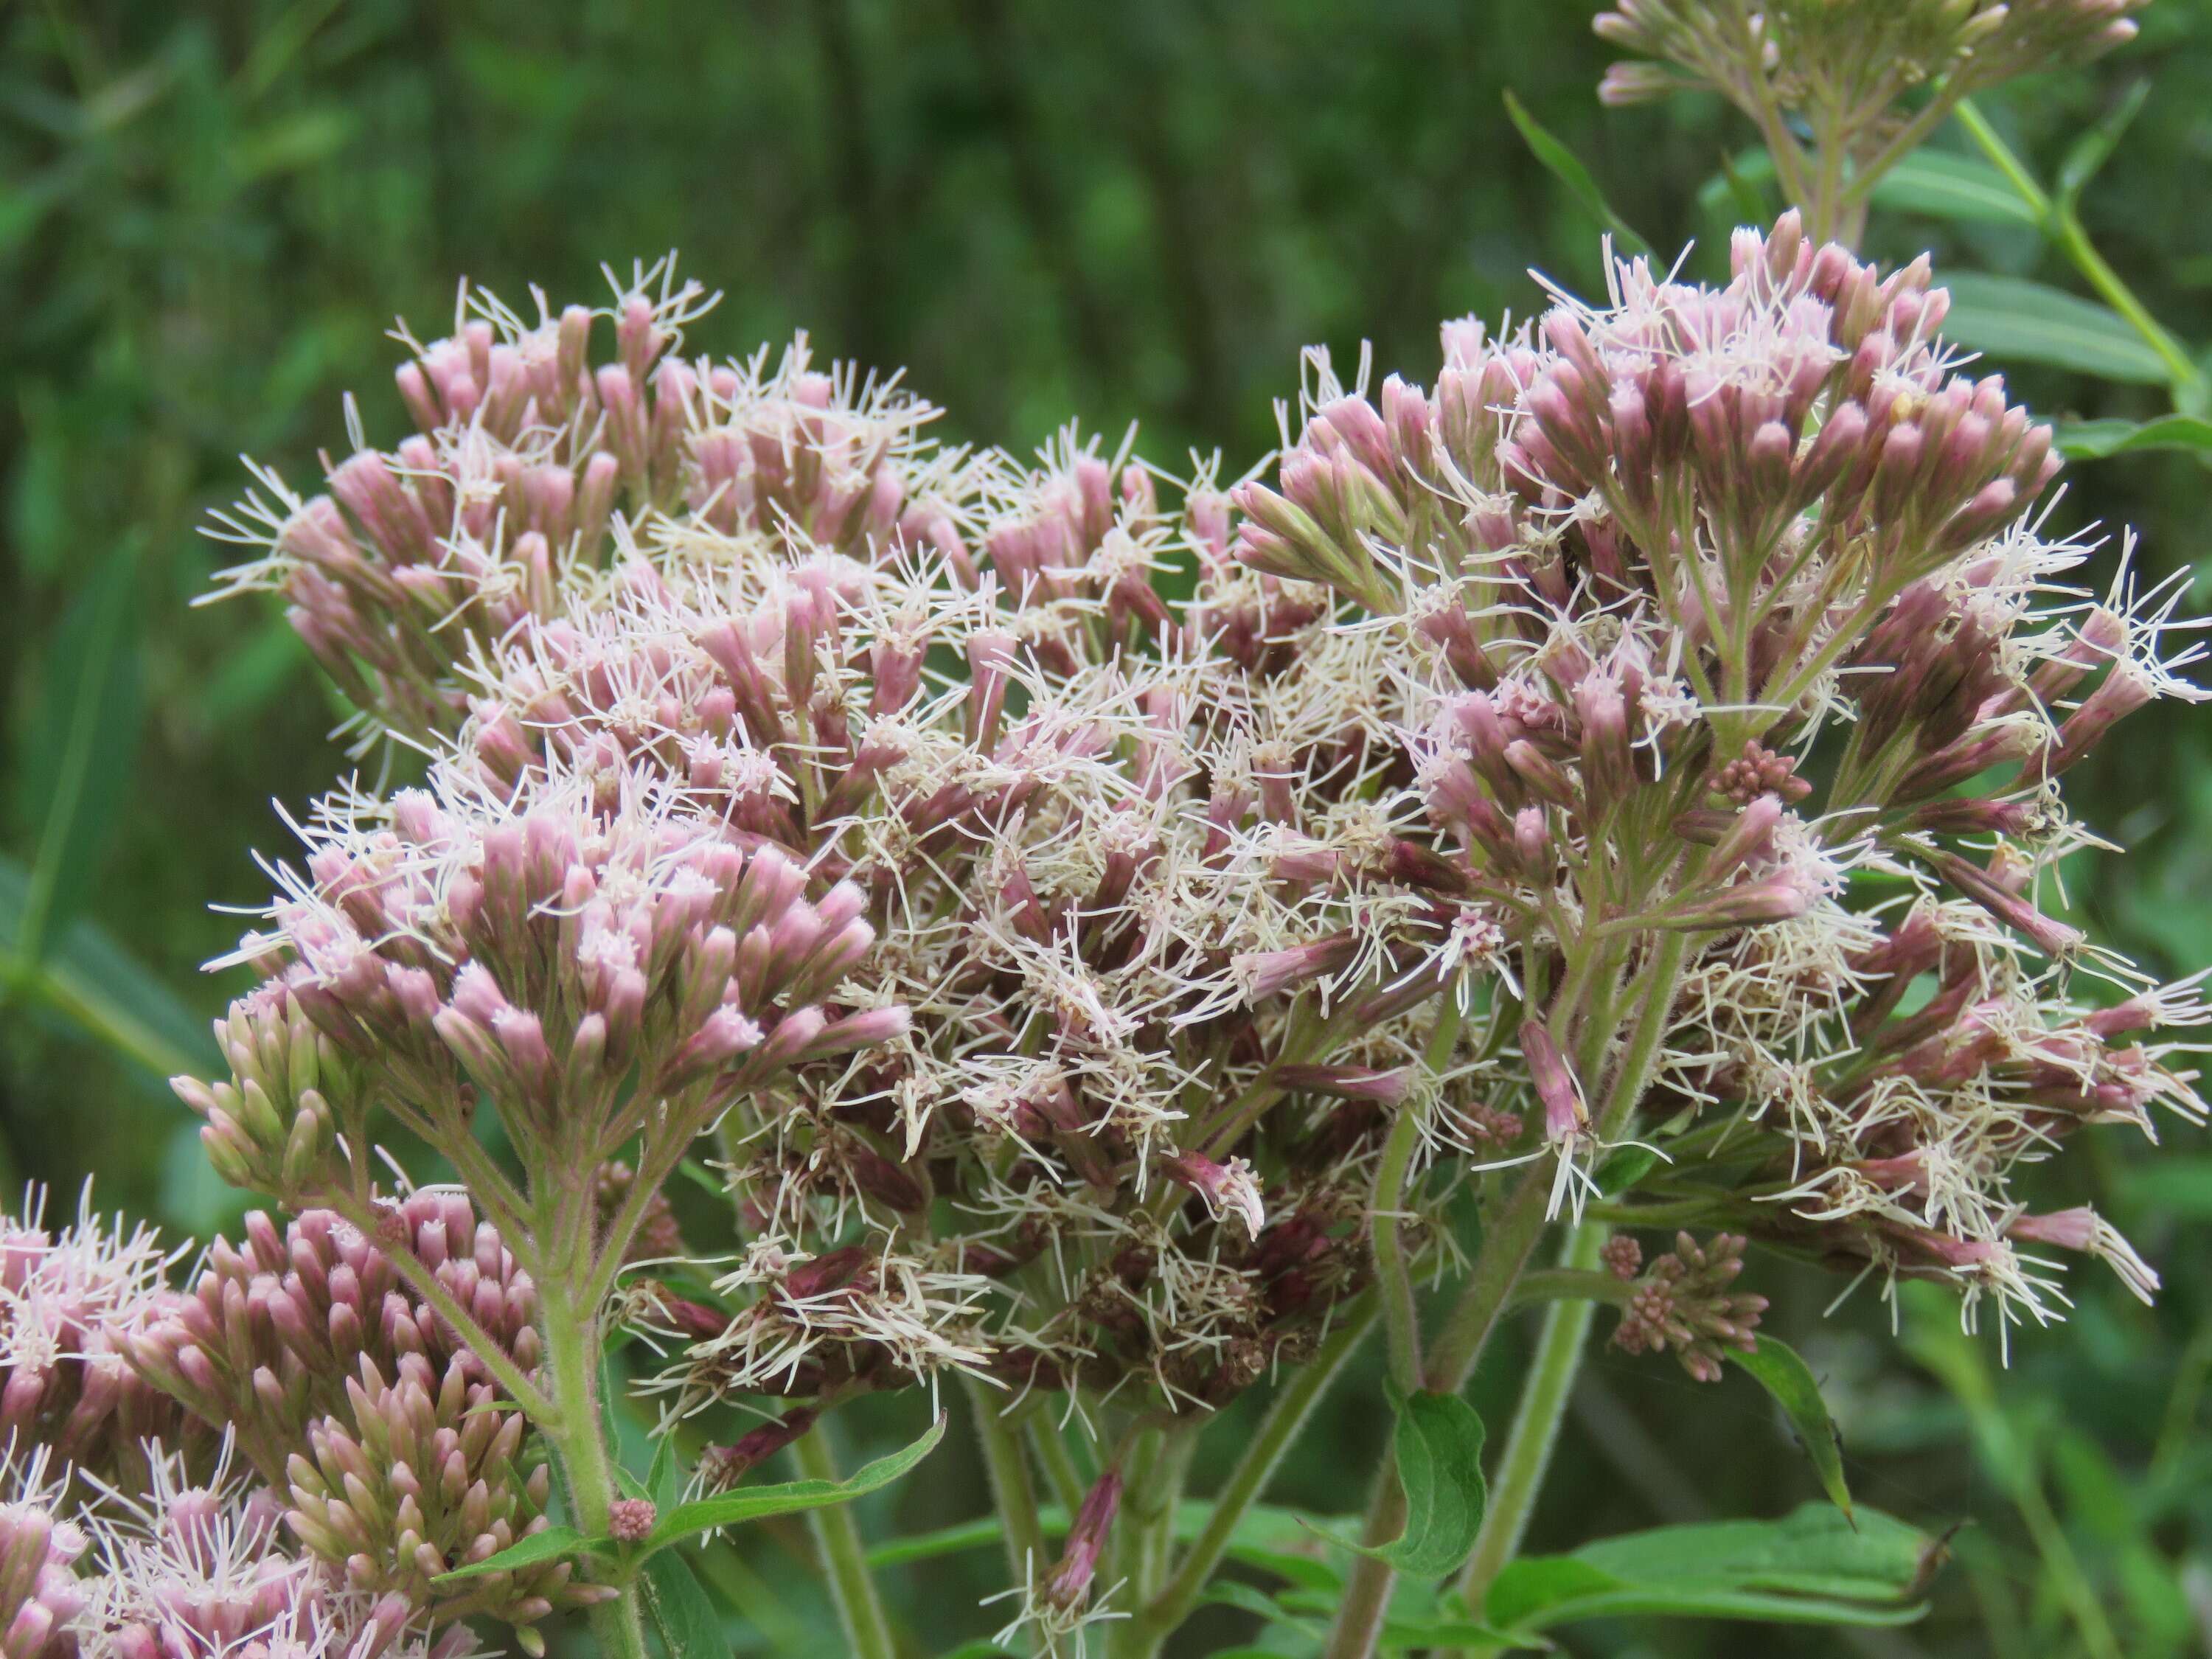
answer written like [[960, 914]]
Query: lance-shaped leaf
[[1813, 1566], [2095, 439], [732, 1509], [682, 1611], [89, 979], [1783, 1372], [549, 1545], [76, 769], [2016, 321], [1567, 168]]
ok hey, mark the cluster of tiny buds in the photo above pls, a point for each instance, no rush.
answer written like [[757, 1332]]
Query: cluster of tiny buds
[[1789, 48], [629, 1520], [355, 1399], [1682, 1303]]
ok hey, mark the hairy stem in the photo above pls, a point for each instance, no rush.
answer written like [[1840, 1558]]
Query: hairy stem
[[1387, 1213], [1528, 1452], [1144, 1529], [1508, 1240], [2066, 231], [1568, 1285], [1286, 1419], [1400, 1315], [579, 1442], [1065, 1480], [844, 1558], [1013, 1494]]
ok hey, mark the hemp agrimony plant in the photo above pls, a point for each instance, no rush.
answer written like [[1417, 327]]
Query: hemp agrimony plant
[[1111, 940]]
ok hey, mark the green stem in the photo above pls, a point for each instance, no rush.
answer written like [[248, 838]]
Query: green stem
[[2001, 157], [572, 1355], [844, 1558], [1067, 1482], [2065, 229], [2073, 242], [1168, 1479], [1013, 1495], [1568, 1285], [1660, 980], [1144, 1531], [1508, 1239], [1401, 1314], [1286, 1419], [1535, 1424], [1400, 1310]]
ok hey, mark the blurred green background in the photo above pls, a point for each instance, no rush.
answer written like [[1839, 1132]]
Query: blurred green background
[[209, 215]]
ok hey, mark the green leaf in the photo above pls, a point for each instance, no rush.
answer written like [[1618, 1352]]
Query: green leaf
[[682, 1611], [664, 1480], [305, 138], [1447, 1635], [1812, 1550], [1246, 1598], [732, 1509], [77, 765], [1811, 1567], [2093, 440], [1265, 1532], [90, 981], [2094, 148], [1783, 1372], [2012, 318], [693, 1170], [1566, 167], [1743, 189], [1963, 189], [956, 1540], [1304, 1571], [1624, 1168], [251, 677], [549, 1545], [1439, 1447]]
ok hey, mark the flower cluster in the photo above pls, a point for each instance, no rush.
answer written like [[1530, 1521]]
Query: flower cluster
[[359, 1403], [1857, 58], [126, 1528], [1083, 990], [1744, 590], [191, 1569], [1843, 91], [70, 1303], [1683, 1302], [592, 955]]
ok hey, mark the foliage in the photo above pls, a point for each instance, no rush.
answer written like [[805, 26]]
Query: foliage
[[1040, 208]]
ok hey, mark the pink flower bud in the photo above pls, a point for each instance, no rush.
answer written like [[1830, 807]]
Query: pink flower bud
[[1564, 1115], [1068, 1584]]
